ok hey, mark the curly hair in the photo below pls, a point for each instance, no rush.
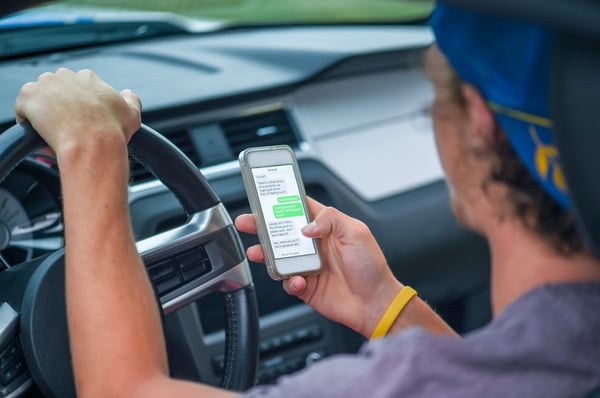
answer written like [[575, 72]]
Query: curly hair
[[531, 204], [526, 198]]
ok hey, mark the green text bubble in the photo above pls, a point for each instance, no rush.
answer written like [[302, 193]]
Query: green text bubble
[[287, 199], [288, 210]]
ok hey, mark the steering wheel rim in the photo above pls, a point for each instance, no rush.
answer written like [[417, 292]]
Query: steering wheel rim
[[208, 233]]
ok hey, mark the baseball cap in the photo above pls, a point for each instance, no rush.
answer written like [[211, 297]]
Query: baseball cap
[[509, 63]]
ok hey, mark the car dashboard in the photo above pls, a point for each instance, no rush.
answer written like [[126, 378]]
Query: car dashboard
[[353, 102]]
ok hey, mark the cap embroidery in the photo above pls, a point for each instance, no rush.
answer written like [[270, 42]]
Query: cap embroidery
[[546, 161]]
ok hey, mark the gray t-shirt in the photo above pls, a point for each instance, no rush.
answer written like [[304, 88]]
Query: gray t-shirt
[[546, 344]]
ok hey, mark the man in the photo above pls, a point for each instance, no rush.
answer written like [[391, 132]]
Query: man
[[492, 133]]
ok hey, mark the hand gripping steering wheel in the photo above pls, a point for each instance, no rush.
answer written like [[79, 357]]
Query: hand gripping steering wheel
[[185, 263]]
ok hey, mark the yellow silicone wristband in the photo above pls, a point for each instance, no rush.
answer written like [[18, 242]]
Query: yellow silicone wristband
[[393, 311]]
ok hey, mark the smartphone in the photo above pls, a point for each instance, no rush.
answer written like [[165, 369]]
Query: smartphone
[[278, 202]]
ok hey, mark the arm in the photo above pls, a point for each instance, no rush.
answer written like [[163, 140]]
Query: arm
[[114, 323], [356, 284]]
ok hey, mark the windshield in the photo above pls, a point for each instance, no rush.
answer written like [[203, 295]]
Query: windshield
[[72, 24], [277, 11]]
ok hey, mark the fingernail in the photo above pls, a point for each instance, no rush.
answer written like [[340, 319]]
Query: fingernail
[[310, 228], [294, 285]]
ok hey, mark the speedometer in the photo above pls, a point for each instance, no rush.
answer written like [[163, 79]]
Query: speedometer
[[30, 213], [12, 217]]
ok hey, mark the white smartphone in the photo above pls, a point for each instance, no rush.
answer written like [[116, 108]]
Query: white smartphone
[[277, 200]]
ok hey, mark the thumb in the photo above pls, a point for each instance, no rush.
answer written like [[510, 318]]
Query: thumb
[[323, 224], [295, 286]]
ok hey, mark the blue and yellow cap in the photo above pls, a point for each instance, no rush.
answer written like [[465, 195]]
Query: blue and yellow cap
[[509, 62]]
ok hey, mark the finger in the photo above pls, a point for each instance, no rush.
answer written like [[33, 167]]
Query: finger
[[21, 101], [134, 121], [295, 286], [314, 206], [63, 71], [132, 99], [256, 254], [246, 223], [323, 224]]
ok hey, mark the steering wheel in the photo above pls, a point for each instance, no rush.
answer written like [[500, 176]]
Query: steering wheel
[[185, 263]]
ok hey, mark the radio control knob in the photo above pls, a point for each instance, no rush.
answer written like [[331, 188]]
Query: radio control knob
[[312, 357]]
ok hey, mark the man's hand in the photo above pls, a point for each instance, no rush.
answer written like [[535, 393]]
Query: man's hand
[[68, 108], [355, 285]]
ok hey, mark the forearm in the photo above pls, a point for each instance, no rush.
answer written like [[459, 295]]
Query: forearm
[[418, 313], [114, 323], [415, 313]]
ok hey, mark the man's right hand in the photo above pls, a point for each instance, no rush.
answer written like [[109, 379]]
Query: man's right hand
[[355, 285]]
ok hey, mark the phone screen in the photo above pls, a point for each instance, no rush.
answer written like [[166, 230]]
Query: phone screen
[[282, 210]]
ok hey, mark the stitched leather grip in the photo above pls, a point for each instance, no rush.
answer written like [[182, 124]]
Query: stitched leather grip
[[242, 328]]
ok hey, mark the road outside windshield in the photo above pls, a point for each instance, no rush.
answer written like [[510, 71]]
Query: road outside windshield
[[240, 11]]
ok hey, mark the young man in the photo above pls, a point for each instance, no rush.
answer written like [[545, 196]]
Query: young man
[[492, 133]]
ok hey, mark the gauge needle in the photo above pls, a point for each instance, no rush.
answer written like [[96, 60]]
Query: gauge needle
[[51, 243], [37, 224], [4, 263], [21, 235]]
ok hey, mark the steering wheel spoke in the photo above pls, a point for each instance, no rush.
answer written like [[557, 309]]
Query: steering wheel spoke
[[202, 256]]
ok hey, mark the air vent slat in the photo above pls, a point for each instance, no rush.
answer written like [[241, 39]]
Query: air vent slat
[[252, 122], [271, 128], [254, 134], [138, 173]]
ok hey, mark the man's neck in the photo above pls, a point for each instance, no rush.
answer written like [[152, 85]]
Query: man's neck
[[521, 262]]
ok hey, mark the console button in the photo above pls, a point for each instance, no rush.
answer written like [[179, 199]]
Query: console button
[[9, 374], [195, 271], [162, 269], [166, 284], [192, 258], [313, 357], [11, 362]]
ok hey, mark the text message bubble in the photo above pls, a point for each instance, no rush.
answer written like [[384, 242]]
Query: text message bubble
[[282, 229], [269, 187], [286, 244], [288, 210], [288, 199]]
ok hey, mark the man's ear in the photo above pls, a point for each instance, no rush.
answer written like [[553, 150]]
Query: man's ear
[[479, 113]]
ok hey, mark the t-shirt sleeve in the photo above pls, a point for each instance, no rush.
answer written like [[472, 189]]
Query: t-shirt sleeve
[[377, 370], [538, 347]]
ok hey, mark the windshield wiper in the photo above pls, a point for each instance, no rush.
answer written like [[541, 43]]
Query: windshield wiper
[[33, 40]]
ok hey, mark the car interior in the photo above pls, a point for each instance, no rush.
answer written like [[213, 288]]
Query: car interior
[[352, 100]]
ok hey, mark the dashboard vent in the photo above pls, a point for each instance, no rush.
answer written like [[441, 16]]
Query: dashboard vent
[[138, 173], [181, 139], [269, 128], [232, 135]]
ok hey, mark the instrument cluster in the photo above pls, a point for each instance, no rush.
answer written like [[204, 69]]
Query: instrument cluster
[[31, 221]]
